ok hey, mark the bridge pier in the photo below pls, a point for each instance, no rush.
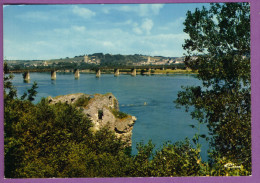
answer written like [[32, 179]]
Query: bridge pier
[[26, 77], [53, 75], [76, 73], [149, 71], [116, 73], [133, 72], [98, 73]]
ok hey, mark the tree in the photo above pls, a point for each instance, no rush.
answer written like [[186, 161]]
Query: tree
[[220, 41], [10, 91], [31, 93], [178, 159]]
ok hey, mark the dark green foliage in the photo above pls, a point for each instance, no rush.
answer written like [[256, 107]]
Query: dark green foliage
[[223, 167], [220, 37], [120, 60], [180, 66], [31, 93], [179, 159], [42, 134], [143, 71], [142, 166], [9, 90]]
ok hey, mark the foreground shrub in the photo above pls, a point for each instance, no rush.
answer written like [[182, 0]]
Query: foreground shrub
[[179, 159]]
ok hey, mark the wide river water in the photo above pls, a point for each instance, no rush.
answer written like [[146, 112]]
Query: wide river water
[[149, 98]]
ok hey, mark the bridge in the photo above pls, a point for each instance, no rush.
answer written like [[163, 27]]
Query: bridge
[[131, 70]]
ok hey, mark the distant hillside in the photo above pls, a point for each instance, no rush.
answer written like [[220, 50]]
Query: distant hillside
[[92, 61]]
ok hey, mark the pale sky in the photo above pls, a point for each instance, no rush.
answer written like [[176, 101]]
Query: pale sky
[[59, 31]]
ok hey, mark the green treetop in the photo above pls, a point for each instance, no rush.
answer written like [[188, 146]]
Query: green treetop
[[220, 39]]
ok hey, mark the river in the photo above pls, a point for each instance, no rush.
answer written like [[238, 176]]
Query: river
[[149, 98]]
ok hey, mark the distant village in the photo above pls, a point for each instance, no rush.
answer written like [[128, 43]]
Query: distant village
[[150, 61]]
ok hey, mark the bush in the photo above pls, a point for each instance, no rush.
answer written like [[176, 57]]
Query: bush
[[41, 134], [81, 102], [119, 114], [179, 159]]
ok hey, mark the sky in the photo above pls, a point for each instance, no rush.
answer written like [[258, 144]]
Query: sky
[[42, 32]]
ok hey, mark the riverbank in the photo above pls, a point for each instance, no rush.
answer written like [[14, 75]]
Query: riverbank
[[175, 71]]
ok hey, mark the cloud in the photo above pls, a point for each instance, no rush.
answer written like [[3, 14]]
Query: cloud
[[156, 8], [123, 42], [71, 31], [68, 42], [60, 15], [164, 37], [42, 43], [149, 9], [59, 31], [83, 12], [108, 44], [127, 35], [125, 8], [137, 30], [142, 10], [121, 8], [30, 50], [176, 25], [37, 16], [79, 28], [145, 27], [164, 44]]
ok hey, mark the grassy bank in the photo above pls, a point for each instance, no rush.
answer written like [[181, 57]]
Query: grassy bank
[[176, 71]]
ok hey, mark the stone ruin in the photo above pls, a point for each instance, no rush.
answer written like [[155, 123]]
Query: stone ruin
[[101, 110]]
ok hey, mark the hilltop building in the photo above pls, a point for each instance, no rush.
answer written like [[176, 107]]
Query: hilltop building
[[45, 63], [91, 60], [86, 58], [179, 60]]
